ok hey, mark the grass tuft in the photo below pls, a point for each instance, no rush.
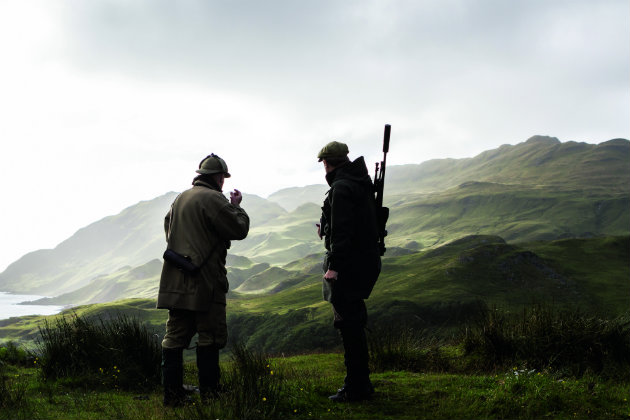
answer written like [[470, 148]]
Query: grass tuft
[[406, 349], [542, 337], [119, 353]]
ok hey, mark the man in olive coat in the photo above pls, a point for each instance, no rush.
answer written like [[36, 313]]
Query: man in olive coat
[[199, 227], [352, 263]]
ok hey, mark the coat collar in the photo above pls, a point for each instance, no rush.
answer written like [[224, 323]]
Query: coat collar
[[205, 183]]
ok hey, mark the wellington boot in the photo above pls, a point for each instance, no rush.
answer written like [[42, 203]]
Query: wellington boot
[[209, 372], [173, 377]]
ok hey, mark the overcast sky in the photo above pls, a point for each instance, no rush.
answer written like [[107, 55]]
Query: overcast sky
[[107, 103]]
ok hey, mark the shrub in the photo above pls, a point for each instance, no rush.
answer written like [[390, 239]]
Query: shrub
[[11, 353], [405, 349], [120, 352], [542, 337]]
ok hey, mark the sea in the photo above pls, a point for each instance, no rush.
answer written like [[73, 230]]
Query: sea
[[9, 306]]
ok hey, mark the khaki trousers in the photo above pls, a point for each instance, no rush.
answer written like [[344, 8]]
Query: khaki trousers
[[182, 325]]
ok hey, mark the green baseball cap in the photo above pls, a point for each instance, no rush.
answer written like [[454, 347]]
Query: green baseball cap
[[213, 164], [334, 149]]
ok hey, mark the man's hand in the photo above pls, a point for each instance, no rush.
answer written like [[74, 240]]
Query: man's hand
[[331, 275], [319, 230], [236, 197]]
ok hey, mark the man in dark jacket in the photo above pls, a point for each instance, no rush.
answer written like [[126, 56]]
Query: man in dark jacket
[[352, 263], [199, 227]]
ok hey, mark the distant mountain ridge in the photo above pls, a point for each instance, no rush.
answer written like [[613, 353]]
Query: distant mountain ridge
[[538, 189], [129, 239], [541, 160]]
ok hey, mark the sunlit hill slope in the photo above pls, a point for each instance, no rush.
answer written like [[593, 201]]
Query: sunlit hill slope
[[540, 189]]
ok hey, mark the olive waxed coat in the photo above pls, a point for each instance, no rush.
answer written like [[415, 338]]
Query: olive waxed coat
[[200, 224]]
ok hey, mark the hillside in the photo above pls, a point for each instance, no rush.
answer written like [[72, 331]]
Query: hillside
[[539, 161], [292, 198], [131, 238], [540, 189], [437, 289], [108, 247], [514, 212]]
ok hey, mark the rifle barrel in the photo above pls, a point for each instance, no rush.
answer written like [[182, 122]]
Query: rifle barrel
[[388, 129]]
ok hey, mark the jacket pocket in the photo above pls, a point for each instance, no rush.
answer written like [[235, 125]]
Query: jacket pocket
[[327, 289], [176, 281]]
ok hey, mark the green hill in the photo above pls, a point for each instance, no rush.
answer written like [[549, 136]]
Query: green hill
[[441, 288], [286, 238], [107, 247], [540, 161], [540, 189], [514, 212], [436, 289], [127, 239], [138, 282], [294, 197]]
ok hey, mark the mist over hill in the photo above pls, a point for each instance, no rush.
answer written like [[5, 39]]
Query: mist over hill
[[541, 189]]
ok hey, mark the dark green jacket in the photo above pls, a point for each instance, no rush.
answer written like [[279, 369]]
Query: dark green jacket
[[349, 225], [200, 225]]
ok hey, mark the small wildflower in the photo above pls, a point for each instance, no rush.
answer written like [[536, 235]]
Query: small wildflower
[[271, 373], [264, 398], [295, 410]]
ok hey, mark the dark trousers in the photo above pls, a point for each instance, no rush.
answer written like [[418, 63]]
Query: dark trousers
[[351, 319]]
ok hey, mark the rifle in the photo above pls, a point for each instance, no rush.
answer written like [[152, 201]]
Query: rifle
[[382, 213]]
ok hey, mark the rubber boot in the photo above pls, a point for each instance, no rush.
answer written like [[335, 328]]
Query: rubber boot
[[209, 372], [173, 377], [357, 385]]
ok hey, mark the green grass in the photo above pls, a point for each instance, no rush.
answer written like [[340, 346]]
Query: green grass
[[503, 367], [307, 380]]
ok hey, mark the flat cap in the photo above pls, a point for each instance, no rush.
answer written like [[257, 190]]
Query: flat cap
[[334, 149]]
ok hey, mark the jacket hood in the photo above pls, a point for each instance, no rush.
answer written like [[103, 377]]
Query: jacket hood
[[355, 171]]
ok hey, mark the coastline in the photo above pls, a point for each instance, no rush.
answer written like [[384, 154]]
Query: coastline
[[17, 305]]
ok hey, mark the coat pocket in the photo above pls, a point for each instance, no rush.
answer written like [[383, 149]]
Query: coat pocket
[[327, 289], [177, 281]]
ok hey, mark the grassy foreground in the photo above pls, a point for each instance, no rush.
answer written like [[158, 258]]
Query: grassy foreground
[[298, 386]]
